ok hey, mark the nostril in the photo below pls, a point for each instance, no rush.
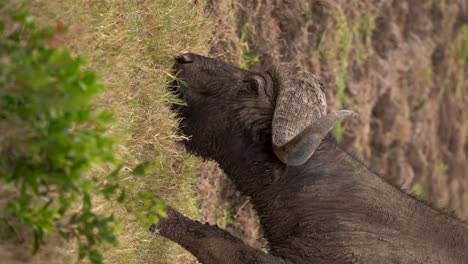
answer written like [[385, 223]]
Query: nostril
[[184, 58]]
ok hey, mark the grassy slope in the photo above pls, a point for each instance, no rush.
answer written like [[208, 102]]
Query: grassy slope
[[132, 44]]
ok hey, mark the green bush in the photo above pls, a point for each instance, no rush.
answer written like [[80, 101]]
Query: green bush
[[50, 138]]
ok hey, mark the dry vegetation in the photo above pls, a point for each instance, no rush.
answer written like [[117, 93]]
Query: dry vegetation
[[131, 44]]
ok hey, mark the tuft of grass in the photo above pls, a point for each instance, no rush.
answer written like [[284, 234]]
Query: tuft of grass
[[443, 6], [462, 48], [420, 190], [459, 62], [132, 45], [249, 59], [364, 28], [307, 15], [341, 85], [428, 77], [443, 183], [336, 47], [343, 39], [442, 168], [443, 89]]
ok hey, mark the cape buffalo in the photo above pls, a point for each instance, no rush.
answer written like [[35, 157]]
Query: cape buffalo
[[269, 132]]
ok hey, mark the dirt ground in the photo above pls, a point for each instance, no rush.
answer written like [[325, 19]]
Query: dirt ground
[[402, 65]]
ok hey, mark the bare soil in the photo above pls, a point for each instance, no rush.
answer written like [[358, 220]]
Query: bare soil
[[396, 63]]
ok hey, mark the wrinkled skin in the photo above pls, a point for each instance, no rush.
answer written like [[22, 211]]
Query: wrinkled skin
[[331, 209]]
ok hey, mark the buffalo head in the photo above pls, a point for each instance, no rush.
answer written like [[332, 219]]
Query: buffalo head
[[282, 109]]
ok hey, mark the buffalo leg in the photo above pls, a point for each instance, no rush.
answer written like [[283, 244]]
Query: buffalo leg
[[209, 244]]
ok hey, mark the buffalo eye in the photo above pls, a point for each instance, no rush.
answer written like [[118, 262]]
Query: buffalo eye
[[251, 86], [254, 83]]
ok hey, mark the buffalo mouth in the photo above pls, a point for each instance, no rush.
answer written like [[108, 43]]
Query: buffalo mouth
[[176, 90], [177, 87]]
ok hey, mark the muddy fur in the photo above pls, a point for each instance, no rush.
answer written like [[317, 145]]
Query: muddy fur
[[331, 209]]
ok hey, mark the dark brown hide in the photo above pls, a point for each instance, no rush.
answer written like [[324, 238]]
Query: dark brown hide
[[331, 209]]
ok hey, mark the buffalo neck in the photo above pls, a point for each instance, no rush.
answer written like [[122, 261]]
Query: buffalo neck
[[359, 195], [251, 167], [350, 198]]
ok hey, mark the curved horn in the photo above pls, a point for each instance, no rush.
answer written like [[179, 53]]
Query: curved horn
[[299, 149], [300, 122]]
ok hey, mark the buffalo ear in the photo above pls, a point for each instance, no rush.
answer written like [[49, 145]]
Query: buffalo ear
[[300, 121]]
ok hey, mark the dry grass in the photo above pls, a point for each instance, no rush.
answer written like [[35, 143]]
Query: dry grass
[[132, 45]]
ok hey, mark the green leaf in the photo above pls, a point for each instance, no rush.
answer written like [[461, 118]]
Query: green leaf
[[24, 18], [38, 239], [95, 257], [89, 78], [109, 190], [122, 196], [53, 139], [115, 173], [140, 170], [7, 232], [86, 201]]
